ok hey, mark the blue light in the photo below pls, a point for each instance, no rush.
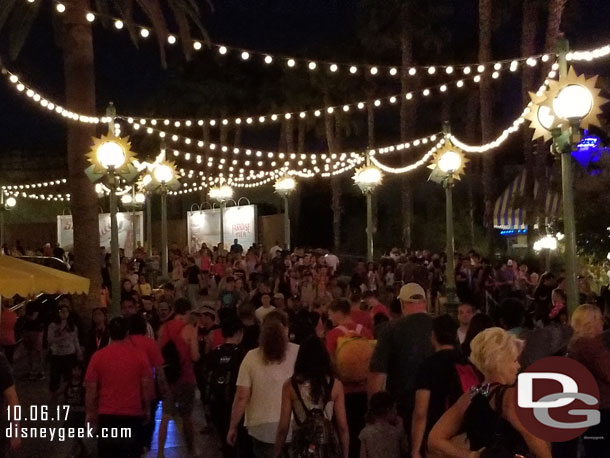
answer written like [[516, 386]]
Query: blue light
[[587, 151], [508, 232]]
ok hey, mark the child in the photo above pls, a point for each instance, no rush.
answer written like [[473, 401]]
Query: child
[[74, 397], [384, 435]]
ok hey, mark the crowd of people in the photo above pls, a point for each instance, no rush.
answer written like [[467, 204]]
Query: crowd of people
[[294, 353]]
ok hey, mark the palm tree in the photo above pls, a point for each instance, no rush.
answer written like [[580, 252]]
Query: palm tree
[[78, 62], [486, 103], [528, 48]]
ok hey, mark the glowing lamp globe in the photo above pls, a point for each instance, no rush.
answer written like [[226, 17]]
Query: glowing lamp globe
[[126, 199], [140, 198], [221, 193], [368, 178], [163, 173], [573, 102], [285, 185], [450, 161], [111, 155], [545, 117], [10, 202]]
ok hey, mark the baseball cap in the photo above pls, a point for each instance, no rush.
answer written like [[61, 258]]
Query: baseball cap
[[412, 292], [278, 296]]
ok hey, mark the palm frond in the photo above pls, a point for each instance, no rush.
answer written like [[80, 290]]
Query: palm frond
[[125, 8], [153, 11], [6, 10], [19, 28]]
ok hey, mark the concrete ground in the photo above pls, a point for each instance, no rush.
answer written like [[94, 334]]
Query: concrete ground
[[36, 393]]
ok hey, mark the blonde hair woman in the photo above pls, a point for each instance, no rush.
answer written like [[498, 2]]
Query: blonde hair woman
[[588, 348], [495, 353]]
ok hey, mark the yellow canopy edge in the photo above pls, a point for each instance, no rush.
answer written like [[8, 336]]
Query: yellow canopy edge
[[27, 278]]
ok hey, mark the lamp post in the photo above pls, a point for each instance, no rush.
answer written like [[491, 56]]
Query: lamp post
[[6, 203], [221, 194], [569, 104], [449, 165], [163, 177], [111, 159], [367, 179], [284, 187], [133, 201]]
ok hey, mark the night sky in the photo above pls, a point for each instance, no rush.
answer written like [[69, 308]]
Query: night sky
[[325, 29]]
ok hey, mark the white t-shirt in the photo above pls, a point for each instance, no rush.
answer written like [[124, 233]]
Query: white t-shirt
[[266, 382], [461, 335], [262, 312]]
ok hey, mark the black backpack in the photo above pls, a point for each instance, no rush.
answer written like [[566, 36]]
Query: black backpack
[[171, 367], [222, 368], [315, 435]]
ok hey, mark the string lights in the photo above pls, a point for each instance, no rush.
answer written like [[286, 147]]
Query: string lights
[[44, 102], [42, 184], [291, 62], [390, 100]]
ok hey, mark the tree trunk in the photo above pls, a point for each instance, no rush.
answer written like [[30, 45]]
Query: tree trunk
[[553, 27], [237, 136], [301, 132], [486, 103], [471, 129], [528, 48], [80, 96], [290, 136], [335, 181], [408, 111], [281, 147], [224, 135]]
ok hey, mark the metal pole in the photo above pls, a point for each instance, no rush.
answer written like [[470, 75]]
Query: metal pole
[[115, 257], [149, 225], [164, 257], [452, 299], [222, 224], [567, 185], [286, 223], [133, 221], [369, 226]]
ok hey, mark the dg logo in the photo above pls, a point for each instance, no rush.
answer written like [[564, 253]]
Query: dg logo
[[557, 399]]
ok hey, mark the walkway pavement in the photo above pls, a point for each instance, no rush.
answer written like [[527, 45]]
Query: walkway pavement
[[36, 393]]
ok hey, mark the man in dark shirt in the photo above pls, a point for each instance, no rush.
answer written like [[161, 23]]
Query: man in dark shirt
[[437, 385], [400, 350], [192, 278], [236, 248], [222, 367]]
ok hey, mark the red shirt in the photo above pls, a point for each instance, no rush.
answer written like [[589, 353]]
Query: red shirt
[[118, 370], [361, 317], [216, 339], [380, 308], [150, 348], [173, 330], [333, 336], [7, 327]]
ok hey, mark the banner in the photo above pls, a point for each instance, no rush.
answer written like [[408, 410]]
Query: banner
[[203, 226], [65, 234]]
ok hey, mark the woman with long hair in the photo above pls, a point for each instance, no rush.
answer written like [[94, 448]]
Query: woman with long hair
[[64, 348], [487, 413], [259, 385], [314, 395], [588, 347]]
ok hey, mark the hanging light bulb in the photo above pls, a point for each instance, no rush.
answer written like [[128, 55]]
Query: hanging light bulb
[[118, 24], [90, 17], [245, 55], [171, 39], [222, 50], [60, 8], [144, 33]]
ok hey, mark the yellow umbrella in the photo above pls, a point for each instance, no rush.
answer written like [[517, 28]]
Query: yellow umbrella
[[27, 278]]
